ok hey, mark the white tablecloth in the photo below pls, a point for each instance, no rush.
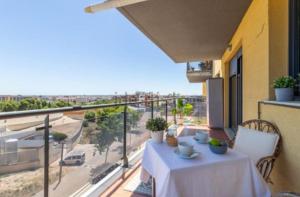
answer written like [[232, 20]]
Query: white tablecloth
[[208, 175]]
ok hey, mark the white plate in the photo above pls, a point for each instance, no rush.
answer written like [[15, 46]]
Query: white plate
[[192, 156], [197, 140]]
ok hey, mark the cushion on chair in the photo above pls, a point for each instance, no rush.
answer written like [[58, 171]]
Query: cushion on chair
[[255, 144]]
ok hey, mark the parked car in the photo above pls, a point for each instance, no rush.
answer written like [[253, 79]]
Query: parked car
[[74, 158]]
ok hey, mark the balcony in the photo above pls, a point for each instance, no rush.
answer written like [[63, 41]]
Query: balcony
[[199, 72], [111, 136]]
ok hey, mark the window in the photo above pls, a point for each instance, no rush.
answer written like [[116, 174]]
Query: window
[[294, 40]]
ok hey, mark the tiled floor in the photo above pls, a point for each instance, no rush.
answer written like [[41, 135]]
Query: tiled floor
[[117, 189]]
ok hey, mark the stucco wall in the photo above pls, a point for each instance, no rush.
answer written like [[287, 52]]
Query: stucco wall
[[286, 174], [263, 37], [252, 36], [278, 41]]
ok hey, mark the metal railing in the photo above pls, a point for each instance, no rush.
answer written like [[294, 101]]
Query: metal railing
[[153, 108], [206, 66], [46, 126]]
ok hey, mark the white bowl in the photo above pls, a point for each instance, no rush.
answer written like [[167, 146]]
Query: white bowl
[[202, 136], [185, 148]]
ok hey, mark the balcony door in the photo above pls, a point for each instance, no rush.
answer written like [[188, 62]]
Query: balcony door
[[235, 91]]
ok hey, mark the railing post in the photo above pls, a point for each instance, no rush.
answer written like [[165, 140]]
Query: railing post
[[174, 103], [125, 159], [152, 108], [166, 110], [46, 157]]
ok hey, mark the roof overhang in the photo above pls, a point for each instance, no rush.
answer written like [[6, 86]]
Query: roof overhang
[[187, 30]]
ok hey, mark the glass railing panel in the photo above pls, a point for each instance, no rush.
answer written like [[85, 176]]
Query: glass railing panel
[[137, 134], [90, 143], [93, 148], [22, 155], [199, 113]]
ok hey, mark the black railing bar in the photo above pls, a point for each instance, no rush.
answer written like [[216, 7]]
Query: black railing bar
[[17, 114]]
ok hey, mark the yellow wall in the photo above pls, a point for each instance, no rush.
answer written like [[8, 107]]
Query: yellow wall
[[286, 174], [278, 44], [204, 89], [263, 37], [252, 36]]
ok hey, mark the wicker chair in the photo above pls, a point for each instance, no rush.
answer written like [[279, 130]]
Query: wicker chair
[[265, 164]]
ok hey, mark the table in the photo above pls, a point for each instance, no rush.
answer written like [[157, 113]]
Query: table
[[208, 175]]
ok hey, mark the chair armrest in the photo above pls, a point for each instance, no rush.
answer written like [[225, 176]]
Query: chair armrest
[[265, 166]]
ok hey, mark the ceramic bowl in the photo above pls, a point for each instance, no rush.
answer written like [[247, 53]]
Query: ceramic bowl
[[219, 149], [185, 148], [202, 136]]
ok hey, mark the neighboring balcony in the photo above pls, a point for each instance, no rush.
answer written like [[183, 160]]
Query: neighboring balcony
[[198, 72]]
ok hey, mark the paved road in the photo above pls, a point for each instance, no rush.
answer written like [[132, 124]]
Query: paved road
[[79, 176]]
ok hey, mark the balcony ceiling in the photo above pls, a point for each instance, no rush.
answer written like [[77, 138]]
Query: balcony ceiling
[[188, 30]]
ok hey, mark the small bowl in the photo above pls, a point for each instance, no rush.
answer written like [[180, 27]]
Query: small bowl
[[185, 148], [218, 149], [202, 136]]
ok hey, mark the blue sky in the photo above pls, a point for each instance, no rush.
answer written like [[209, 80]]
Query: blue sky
[[53, 47]]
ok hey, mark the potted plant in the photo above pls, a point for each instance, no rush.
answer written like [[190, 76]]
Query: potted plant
[[157, 126], [218, 147], [284, 88]]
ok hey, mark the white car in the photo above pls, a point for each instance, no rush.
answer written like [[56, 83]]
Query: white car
[[74, 158]]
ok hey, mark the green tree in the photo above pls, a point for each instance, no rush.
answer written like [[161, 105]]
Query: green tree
[[90, 116], [187, 109], [8, 106], [61, 103], [110, 123], [133, 118], [60, 138], [24, 104]]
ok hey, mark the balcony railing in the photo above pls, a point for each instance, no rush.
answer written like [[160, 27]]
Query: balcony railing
[[107, 134], [199, 72]]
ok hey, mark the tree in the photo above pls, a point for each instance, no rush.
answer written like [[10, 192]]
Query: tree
[[60, 138], [90, 116], [110, 123], [187, 109], [61, 103], [8, 106], [24, 104], [133, 118]]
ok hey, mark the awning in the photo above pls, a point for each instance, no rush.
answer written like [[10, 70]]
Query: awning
[[186, 30]]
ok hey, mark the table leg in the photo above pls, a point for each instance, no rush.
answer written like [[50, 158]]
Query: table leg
[[153, 187]]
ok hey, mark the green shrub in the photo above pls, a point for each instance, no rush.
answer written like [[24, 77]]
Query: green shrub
[[284, 82], [157, 124]]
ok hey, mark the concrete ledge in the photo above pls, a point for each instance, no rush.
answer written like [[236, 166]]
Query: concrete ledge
[[293, 104]]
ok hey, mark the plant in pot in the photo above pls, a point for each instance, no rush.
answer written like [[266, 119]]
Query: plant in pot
[[157, 126], [284, 88], [218, 147]]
